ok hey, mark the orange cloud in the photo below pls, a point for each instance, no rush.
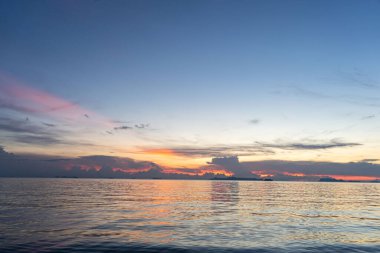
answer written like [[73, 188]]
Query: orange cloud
[[297, 174], [161, 152], [131, 171], [262, 173], [199, 171]]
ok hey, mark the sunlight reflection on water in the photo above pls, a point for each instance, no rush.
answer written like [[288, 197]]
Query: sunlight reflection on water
[[154, 215]]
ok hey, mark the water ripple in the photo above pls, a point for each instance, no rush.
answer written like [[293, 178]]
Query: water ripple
[[92, 215]]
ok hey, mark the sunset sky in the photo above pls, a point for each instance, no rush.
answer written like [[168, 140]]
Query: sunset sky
[[290, 87]]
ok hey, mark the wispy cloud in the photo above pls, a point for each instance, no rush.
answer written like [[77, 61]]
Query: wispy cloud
[[141, 126], [368, 117], [210, 151], [125, 127], [21, 126], [44, 140], [355, 99], [25, 131], [309, 145], [18, 97], [358, 78], [48, 124]]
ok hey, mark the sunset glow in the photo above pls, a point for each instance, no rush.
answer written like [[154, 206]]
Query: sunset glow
[[174, 126], [149, 108]]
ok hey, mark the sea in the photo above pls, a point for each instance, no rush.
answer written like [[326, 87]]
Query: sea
[[121, 215]]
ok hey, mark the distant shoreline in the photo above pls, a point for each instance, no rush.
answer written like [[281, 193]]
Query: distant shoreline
[[321, 180]]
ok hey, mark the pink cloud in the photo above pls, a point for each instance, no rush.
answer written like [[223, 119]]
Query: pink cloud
[[17, 96]]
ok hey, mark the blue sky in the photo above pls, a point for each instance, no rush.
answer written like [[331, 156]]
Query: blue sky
[[200, 74]]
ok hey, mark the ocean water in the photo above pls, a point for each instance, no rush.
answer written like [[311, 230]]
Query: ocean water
[[107, 215]]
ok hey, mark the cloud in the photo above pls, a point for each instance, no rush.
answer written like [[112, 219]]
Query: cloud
[[97, 166], [48, 124], [125, 127], [19, 126], [142, 126], [3, 153], [257, 148], [24, 131], [255, 121], [311, 145], [355, 99], [368, 117], [306, 170], [41, 140], [210, 151], [369, 160], [299, 170], [21, 98], [359, 78], [309, 93]]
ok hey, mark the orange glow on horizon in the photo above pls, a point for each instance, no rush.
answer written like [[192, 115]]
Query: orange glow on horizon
[[297, 174], [131, 171], [350, 178], [160, 152], [262, 173], [198, 172]]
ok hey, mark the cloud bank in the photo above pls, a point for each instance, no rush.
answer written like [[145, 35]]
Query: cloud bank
[[99, 166]]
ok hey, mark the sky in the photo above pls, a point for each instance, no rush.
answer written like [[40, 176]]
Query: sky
[[291, 88]]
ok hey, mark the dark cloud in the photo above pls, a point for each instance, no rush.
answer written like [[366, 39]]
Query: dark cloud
[[37, 139], [120, 167], [308, 145], [369, 160], [142, 126], [24, 131], [232, 164], [48, 124], [296, 170], [20, 126], [85, 167], [255, 121], [3, 153], [125, 127], [311, 168]]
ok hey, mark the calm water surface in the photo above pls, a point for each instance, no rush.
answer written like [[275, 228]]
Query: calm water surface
[[102, 215]]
